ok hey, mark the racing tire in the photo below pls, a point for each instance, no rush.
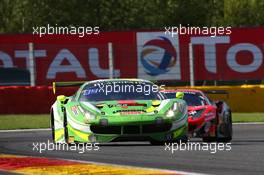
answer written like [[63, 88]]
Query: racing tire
[[228, 129], [52, 125], [66, 134]]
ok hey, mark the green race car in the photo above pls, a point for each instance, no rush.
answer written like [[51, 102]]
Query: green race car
[[117, 110]]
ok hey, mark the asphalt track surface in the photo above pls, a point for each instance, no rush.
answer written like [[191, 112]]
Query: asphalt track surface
[[245, 157]]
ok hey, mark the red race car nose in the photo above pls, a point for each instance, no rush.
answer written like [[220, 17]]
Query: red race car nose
[[196, 121], [196, 116]]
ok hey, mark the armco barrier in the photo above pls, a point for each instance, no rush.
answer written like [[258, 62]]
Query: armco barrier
[[245, 98], [37, 100], [29, 100]]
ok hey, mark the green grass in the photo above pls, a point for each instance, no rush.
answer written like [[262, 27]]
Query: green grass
[[24, 121], [248, 117], [43, 120]]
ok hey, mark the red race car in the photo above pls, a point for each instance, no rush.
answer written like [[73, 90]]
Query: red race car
[[207, 119]]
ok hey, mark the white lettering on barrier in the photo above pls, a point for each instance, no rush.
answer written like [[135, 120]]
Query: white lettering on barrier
[[210, 49], [94, 62], [6, 59], [210, 54], [253, 66], [25, 54], [93, 59], [57, 67]]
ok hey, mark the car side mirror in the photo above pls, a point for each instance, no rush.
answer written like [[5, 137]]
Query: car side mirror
[[179, 95], [61, 98]]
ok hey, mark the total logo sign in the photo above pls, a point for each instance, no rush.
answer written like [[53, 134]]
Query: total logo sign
[[158, 56]]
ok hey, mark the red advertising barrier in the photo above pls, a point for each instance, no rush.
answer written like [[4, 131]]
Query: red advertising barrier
[[69, 57], [29, 100], [238, 56], [38, 100], [150, 55]]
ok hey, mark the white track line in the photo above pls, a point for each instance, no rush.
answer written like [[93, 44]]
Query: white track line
[[249, 123]]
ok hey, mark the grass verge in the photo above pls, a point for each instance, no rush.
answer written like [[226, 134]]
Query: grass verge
[[248, 117], [43, 120], [26, 121]]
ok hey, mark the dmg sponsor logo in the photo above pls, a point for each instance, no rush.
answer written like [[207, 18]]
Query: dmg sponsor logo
[[158, 56]]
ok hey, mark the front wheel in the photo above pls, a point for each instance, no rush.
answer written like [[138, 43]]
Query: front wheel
[[52, 125], [66, 135], [227, 130]]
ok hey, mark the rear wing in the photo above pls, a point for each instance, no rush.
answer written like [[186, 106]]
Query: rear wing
[[66, 84]]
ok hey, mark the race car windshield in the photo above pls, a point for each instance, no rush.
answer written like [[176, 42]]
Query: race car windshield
[[192, 99], [120, 91]]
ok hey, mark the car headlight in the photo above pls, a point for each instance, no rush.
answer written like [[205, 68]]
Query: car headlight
[[209, 114], [171, 112], [88, 115], [196, 113], [175, 106]]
